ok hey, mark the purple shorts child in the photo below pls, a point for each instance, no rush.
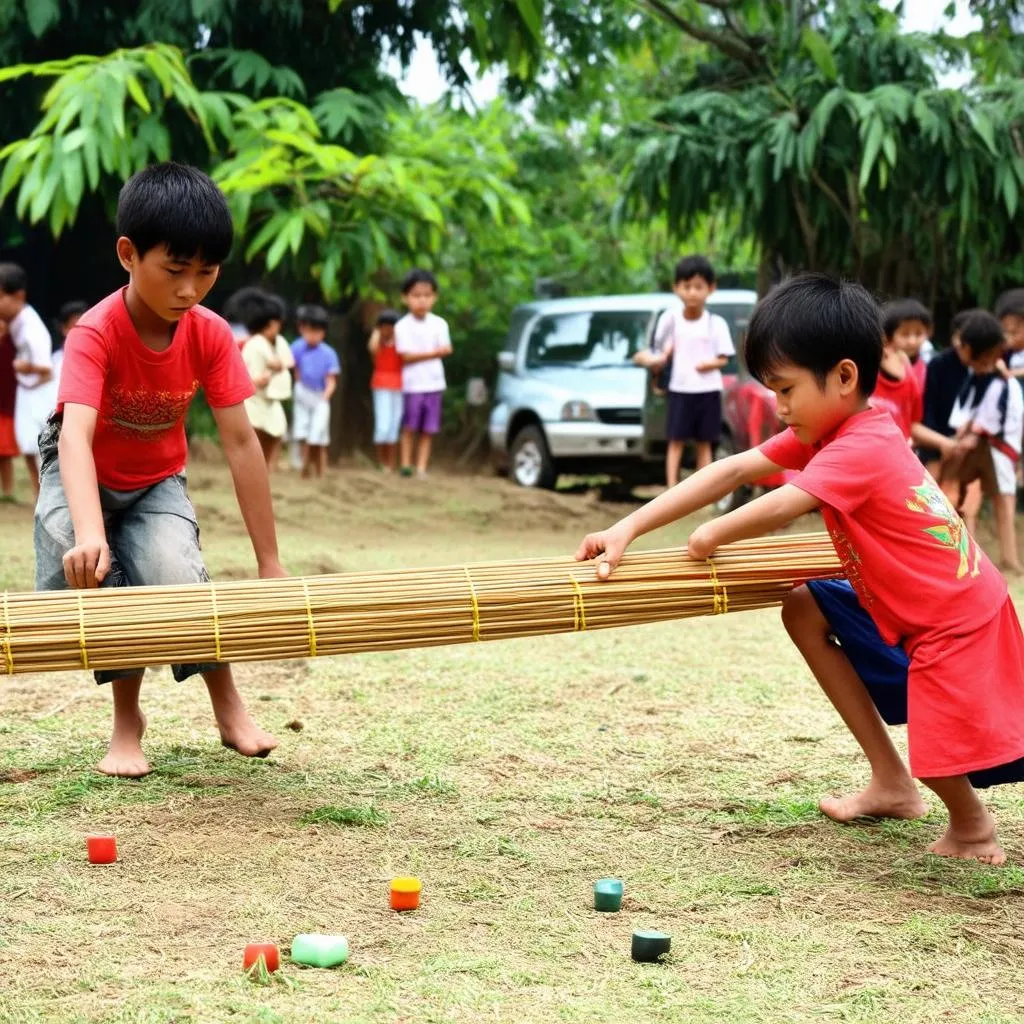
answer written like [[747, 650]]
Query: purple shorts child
[[422, 412]]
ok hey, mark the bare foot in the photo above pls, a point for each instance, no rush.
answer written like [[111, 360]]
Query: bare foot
[[876, 801], [975, 843], [125, 758], [245, 736]]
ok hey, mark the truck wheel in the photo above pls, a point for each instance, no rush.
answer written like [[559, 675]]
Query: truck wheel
[[529, 460]]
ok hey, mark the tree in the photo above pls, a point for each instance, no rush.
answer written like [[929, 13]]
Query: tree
[[823, 127]]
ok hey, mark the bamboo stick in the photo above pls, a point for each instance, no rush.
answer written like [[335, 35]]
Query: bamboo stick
[[299, 617]]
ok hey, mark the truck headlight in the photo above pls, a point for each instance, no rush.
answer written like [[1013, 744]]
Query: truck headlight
[[577, 411]]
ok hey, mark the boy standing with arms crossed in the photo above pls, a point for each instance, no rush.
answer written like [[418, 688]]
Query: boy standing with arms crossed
[[422, 340], [113, 508], [919, 579], [699, 344]]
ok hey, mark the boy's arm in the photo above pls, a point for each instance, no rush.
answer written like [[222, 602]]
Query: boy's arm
[[88, 562], [252, 485], [762, 515], [925, 437], [718, 363], [702, 488], [330, 386], [424, 357]]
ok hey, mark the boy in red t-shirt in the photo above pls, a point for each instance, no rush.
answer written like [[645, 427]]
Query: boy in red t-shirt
[[113, 508], [386, 385], [920, 581]]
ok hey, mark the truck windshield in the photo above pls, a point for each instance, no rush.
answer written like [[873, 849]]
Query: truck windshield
[[587, 340]]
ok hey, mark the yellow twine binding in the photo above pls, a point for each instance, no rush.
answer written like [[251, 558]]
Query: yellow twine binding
[[216, 623], [309, 620], [8, 636], [721, 594], [476, 606], [579, 609], [81, 633]]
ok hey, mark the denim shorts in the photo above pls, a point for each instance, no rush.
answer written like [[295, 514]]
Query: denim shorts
[[387, 415], [152, 533]]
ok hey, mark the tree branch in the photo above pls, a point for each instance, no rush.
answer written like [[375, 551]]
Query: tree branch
[[736, 48]]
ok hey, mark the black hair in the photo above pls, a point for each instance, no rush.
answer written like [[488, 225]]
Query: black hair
[[260, 310], [1010, 303], [956, 325], [177, 206], [418, 276], [694, 266], [12, 279], [238, 304], [981, 332], [76, 307], [815, 321], [312, 314], [388, 316], [900, 311]]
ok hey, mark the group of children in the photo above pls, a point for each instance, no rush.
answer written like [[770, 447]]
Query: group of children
[[407, 384], [30, 362], [920, 630]]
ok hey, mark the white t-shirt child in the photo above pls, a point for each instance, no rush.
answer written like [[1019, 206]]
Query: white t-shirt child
[[692, 343], [414, 336], [996, 411]]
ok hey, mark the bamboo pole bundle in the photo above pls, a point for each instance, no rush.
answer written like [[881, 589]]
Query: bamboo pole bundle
[[298, 617]]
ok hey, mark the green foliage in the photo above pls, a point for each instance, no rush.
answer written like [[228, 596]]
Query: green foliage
[[837, 150]]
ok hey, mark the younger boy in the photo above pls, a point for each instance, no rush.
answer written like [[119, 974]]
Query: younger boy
[[699, 345], [386, 384], [422, 340], [908, 324], [33, 350], [1010, 313], [316, 379], [113, 508], [988, 417], [916, 576]]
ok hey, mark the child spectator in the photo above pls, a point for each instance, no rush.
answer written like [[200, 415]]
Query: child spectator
[[1009, 311], [914, 576], [422, 340], [698, 344], [898, 392], [268, 358], [909, 325], [989, 416], [316, 378], [33, 348], [113, 508], [386, 384], [8, 389]]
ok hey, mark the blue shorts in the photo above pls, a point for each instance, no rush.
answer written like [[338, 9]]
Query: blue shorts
[[152, 533], [883, 669]]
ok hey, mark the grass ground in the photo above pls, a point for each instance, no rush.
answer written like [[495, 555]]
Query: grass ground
[[685, 758]]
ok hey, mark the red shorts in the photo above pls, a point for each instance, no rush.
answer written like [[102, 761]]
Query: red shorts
[[965, 704], [8, 442]]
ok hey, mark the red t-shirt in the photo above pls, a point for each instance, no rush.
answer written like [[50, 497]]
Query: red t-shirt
[[387, 369], [141, 395], [903, 399], [915, 568]]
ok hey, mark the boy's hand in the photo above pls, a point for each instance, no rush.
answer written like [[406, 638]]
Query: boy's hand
[[272, 571], [701, 543], [87, 564], [610, 543], [444, 352], [22, 366]]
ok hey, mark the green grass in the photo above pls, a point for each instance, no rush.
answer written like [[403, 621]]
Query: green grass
[[685, 758]]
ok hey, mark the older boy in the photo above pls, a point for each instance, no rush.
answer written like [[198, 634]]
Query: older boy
[[113, 508], [917, 576], [422, 340], [698, 345]]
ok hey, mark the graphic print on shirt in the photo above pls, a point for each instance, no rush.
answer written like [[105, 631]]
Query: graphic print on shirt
[[951, 533], [851, 562], [145, 415]]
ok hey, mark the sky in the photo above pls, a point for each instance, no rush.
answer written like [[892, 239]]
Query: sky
[[423, 80]]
